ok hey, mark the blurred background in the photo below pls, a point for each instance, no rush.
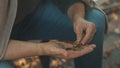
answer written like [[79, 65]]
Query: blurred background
[[111, 50], [111, 53]]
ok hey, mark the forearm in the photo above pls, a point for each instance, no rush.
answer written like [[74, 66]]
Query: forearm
[[19, 49], [76, 10]]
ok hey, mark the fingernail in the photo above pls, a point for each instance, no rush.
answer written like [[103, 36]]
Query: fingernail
[[93, 46]]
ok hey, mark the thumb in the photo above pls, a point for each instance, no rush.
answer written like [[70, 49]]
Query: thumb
[[79, 37], [79, 33]]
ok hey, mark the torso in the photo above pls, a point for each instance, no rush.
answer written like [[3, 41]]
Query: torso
[[27, 6]]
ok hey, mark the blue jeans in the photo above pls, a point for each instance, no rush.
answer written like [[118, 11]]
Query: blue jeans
[[49, 22]]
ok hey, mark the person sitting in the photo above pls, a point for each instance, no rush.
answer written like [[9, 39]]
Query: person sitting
[[45, 20]]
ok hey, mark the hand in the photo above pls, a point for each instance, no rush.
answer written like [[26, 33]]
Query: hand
[[84, 30], [58, 48]]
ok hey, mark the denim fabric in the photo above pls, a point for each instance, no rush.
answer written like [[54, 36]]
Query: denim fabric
[[6, 64], [49, 22]]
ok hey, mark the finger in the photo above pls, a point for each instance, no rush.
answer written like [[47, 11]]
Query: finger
[[79, 37], [90, 31], [79, 33], [75, 54], [92, 46], [53, 41], [86, 50]]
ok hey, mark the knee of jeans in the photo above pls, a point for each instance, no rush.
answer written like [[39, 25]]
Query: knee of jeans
[[98, 17], [6, 64]]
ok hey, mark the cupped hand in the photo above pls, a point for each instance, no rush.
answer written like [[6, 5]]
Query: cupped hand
[[58, 48], [84, 30]]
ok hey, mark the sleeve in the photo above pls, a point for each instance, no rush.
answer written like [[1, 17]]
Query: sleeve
[[8, 10]]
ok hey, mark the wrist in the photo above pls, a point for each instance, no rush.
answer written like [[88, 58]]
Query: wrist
[[76, 10], [77, 18], [40, 49]]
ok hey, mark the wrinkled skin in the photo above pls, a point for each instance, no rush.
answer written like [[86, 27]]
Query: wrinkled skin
[[54, 48], [84, 30]]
